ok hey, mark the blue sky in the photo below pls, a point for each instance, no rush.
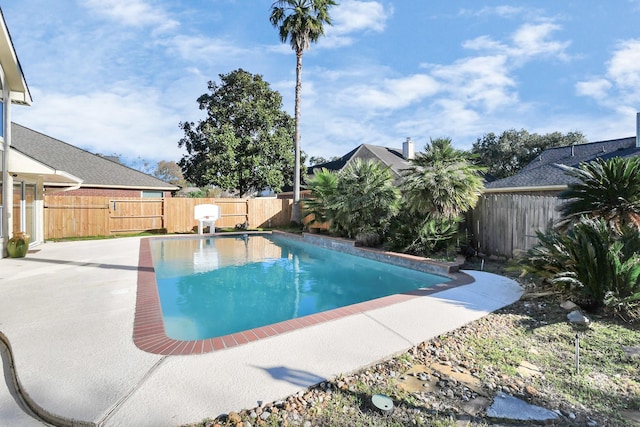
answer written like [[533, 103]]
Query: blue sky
[[118, 76]]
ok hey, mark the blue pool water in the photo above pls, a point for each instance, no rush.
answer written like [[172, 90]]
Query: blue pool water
[[221, 285]]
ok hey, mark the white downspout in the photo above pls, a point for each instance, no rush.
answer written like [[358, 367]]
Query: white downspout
[[7, 180]]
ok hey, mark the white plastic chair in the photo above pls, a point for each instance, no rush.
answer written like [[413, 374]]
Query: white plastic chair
[[206, 215]]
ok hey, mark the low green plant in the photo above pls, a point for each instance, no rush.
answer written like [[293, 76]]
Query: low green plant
[[597, 263], [607, 189], [423, 236]]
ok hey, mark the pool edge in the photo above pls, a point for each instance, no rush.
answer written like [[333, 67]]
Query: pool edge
[[148, 327]]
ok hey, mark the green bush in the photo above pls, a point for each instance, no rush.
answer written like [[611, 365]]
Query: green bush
[[423, 236], [323, 187], [598, 263], [364, 200]]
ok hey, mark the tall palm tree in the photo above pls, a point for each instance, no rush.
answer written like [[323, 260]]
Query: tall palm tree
[[607, 189], [301, 22], [442, 181]]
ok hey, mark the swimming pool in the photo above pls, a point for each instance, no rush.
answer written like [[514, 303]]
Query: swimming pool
[[219, 286]]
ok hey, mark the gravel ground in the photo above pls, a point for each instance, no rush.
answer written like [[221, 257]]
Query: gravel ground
[[451, 379]]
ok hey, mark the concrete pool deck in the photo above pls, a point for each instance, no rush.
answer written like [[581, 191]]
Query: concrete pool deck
[[67, 311]]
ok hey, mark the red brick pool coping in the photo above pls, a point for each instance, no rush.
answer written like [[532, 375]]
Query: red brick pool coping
[[148, 328]]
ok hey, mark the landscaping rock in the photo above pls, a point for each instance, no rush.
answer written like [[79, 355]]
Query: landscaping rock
[[511, 408], [577, 318], [526, 370], [568, 305], [631, 352]]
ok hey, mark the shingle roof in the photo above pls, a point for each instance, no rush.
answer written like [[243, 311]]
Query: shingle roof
[[94, 170], [388, 156], [545, 170]]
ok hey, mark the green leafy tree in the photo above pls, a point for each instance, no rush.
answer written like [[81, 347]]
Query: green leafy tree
[[607, 189], [318, 160], [442, 181], [171, 173], [301, 22], [364, 201], [506, 154], [245, 143]]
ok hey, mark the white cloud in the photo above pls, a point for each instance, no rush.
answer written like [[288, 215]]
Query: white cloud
[[133, 124], [480, 81], [528, 41], [624, 68], [533, 40], [390, 94], [353, 16], [619, 88], [597, 88], [136, 13], [202, 49]]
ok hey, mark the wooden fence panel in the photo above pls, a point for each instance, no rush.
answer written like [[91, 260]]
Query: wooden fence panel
[[506, 224], [127, 215], [269, 212], [179, 213], [75, 216]]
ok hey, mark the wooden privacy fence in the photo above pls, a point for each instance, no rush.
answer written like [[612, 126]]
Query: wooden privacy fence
[[82, 216], [506, 224]]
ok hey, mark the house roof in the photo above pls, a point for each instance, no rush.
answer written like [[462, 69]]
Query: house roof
[[390, 157], [545, 171], [11, 65], [94, 170]]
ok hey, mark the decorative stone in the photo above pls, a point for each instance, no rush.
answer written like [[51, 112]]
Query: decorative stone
[[568, 305], [531, 391], [511, 408], [577, 318], [527, 370], [234, 417]]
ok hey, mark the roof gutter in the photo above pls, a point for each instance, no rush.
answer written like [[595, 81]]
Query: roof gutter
[[560, 187], [127, 187]]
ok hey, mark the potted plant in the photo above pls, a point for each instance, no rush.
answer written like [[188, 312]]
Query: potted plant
[[18, 245]]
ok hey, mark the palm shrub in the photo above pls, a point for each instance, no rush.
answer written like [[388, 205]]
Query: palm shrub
[[364, 201], [323, 186], [442, 181], [599, 263], [423, 236], [608, 189], [440, 185]]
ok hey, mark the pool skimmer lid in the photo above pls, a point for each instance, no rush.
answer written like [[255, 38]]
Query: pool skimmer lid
[[382, 403]]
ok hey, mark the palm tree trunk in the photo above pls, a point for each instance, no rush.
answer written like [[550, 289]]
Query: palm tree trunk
[[295, 212]]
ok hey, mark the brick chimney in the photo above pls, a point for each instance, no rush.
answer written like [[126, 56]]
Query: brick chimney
[[408, 151]]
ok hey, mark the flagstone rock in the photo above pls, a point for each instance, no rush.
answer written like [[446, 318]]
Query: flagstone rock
[[511, 408]]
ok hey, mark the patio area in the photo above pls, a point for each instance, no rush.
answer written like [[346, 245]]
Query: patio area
[[67, 311]]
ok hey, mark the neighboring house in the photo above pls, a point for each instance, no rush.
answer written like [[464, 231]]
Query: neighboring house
[[396, 160], [41, 165], [545, 174], [98, 175], [512, 209]]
